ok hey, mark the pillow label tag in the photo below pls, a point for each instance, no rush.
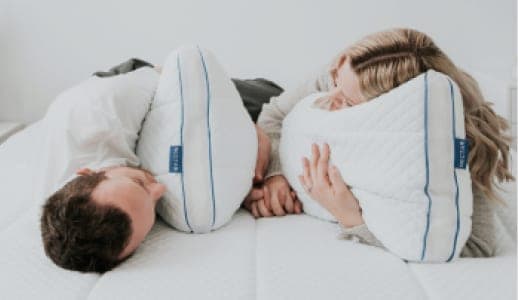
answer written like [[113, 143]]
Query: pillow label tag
[[461, 153], [175, 159]]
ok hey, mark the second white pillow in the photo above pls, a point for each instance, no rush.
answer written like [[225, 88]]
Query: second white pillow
[[199, 140]]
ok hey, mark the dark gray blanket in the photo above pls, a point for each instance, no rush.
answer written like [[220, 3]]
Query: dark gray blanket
[[253, 92]]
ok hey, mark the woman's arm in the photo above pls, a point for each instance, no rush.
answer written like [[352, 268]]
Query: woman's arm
[[326, 186], [481, 242], [273, 113]]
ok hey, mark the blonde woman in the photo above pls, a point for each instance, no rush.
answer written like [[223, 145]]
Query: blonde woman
[[373, 66]]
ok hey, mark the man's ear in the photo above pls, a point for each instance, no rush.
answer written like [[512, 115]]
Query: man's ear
[[84, 171]]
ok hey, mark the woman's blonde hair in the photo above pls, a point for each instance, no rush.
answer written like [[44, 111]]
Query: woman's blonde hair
[[385, 60]]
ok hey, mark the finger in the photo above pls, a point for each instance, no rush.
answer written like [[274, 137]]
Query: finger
[[289, 204], [306, 172], [255, 194], [255, 211], [277, 201], [336, 178], [297, 206], [315, 155], [263, 211], [304, 184], [323, 165], [267, 198], [260, 169], [257, 178], [248, 205]]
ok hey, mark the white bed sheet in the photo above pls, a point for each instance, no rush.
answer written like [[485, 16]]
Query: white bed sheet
[[18, 160], [293, 257]]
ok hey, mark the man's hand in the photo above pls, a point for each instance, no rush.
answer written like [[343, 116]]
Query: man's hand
[[280, 198], [326, 186], [273, 198], [256, 204]]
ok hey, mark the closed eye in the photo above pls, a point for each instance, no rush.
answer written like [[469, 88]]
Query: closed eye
[[349, 101], [141, 183]]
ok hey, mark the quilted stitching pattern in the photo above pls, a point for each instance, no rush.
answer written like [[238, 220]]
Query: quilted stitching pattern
[[379, 147]]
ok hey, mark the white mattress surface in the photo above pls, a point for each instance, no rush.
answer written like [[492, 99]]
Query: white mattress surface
[[176, 265], [469, 278], [293, 257]]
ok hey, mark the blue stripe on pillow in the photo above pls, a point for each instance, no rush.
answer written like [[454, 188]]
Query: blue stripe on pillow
[[425, 237], [180, 84], [454, 174], [207, 84]]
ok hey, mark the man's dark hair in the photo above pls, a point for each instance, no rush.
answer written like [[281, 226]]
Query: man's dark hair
[[79, 234]]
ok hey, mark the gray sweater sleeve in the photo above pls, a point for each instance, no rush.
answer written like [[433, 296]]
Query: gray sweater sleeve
[[273, 113], [481, 242]]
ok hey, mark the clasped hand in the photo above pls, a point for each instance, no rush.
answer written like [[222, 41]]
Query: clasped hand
[[273, 196]]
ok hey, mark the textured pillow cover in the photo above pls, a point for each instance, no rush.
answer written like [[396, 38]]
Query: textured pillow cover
[[198, 140], [404, 154]]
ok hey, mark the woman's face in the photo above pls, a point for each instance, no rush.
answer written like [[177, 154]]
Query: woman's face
[[347, 90]]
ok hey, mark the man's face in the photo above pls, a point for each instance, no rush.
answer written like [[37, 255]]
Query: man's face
[[136, 192]]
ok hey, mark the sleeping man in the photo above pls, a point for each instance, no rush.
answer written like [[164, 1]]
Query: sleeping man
[[99, 218]]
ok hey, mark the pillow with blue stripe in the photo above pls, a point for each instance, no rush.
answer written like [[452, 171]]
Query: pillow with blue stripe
[[199, 140], [404, 155]]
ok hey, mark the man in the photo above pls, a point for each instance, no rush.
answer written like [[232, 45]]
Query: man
[[98, 219]]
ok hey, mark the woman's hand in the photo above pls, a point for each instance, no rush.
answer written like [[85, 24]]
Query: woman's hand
[[326, 186]]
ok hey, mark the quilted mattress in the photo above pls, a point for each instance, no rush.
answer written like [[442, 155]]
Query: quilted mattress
[[293, 257]]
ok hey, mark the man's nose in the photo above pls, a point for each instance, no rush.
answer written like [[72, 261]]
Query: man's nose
[[157, 190]]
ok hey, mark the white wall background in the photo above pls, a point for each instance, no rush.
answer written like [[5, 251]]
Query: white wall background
[[47, 46]]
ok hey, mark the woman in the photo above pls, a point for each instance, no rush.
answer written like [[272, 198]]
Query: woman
[[369, 68]]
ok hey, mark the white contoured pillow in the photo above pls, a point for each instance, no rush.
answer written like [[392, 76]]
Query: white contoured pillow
[[198, 140], [404, 154]]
